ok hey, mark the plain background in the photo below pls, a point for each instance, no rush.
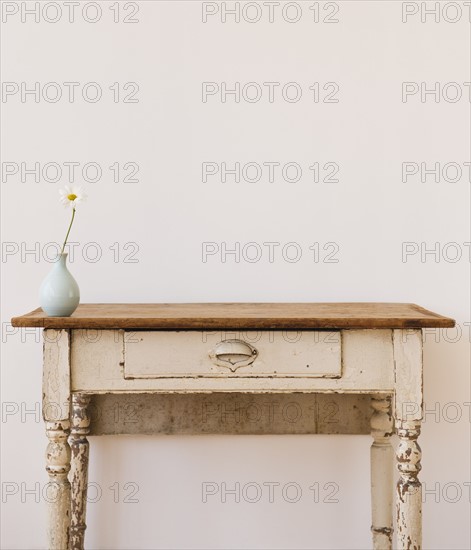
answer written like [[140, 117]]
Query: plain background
[[149, 236]]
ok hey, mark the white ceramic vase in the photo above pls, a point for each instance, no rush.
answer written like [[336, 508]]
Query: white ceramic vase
[[59, 294]]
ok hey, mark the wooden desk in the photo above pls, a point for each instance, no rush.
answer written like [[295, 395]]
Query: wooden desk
[[196, 357]]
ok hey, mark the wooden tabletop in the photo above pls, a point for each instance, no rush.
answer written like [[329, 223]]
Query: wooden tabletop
[[285, 316]]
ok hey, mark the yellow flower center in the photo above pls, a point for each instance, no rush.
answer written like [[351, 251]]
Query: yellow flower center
[[72, 197]]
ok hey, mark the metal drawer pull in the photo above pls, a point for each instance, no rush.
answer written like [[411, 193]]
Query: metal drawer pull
[[233, 354]]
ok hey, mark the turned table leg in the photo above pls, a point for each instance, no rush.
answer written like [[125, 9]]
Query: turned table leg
[[79, 468], [56, 414], [408, 416], [409, 488], [58, 494], [382, 456]]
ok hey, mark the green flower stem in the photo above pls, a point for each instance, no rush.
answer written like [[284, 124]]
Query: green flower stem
[[68, 231]]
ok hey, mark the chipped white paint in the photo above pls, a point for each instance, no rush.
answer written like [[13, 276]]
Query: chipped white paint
[[408, 416], [192, 354], [56, 401], [79, 468], [101, 365], [56, 375], [408, 374], [382, 456], [58, 489], [380, 363]]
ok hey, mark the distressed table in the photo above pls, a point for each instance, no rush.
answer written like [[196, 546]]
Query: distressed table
[[199, 368]]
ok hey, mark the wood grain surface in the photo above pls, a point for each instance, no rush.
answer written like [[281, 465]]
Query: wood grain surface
[[259, 316]]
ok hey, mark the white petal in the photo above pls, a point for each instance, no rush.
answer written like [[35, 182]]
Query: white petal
[[76, 190]]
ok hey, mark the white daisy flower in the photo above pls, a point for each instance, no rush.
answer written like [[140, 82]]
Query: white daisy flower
[[71, 196]]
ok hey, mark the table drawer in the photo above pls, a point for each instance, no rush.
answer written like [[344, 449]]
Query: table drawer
[[195, 354]]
